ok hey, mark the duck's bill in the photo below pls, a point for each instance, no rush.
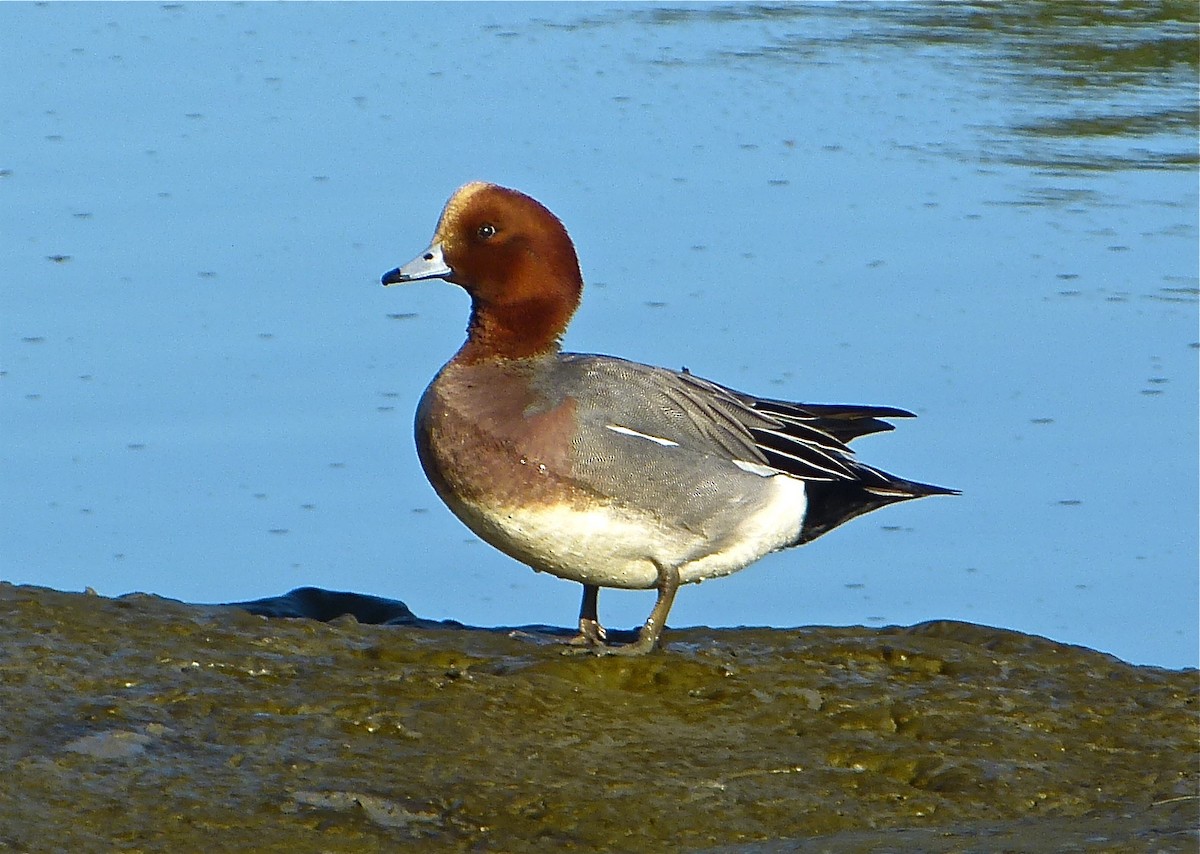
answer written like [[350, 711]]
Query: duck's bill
[[428, 265]]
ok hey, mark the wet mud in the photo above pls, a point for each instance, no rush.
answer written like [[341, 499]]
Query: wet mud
[[145, 724]]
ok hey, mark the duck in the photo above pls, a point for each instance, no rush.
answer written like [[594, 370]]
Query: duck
[[604, 471]]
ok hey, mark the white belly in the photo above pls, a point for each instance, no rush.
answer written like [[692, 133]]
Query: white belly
[[615, 547]]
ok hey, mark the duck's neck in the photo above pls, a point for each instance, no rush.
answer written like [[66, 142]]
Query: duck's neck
[[516, 330]]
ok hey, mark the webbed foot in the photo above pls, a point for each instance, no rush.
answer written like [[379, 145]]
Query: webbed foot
[[591, 635]]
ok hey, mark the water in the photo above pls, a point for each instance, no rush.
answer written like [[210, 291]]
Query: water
[[983, 213]]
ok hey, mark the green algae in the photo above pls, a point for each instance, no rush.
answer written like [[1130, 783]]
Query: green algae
[[144, 724]]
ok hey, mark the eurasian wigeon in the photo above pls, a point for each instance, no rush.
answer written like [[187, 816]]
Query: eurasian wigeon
[[604, 471]]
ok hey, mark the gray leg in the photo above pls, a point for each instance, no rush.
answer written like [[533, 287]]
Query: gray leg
[[591, 633], [651, 632]]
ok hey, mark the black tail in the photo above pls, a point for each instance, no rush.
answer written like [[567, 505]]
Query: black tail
[[810, 441], [832, 503]]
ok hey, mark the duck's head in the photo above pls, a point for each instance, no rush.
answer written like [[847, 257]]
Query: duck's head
[[514, 258]]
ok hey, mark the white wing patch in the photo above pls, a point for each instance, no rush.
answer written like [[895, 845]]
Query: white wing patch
[[627, 431], [757, 468]]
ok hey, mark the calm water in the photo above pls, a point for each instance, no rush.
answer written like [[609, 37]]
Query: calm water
[[986, 214]]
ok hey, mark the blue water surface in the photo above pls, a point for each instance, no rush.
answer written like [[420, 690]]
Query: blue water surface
[[992, 221]]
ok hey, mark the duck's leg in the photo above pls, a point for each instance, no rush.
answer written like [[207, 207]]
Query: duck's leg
[[651, 633], [591, 633]]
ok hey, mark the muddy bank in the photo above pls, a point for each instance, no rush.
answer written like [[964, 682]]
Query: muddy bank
[[145, 724]]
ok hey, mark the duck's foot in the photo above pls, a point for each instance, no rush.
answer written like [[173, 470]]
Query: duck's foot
[[591, 635], [593, 639], [643, 645], [649, 638], [650, 635]]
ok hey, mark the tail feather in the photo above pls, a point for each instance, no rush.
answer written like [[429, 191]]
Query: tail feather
[[879, 482], [810, 441], [831, 504]]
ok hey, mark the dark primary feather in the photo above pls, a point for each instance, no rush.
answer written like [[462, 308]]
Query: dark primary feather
[[810, 441], [833, 501], [844, 422], [782, 435]]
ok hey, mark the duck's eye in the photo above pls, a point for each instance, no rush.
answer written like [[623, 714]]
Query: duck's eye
[[486, 231]]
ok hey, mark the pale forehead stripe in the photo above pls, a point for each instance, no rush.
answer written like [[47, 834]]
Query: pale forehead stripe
[[461, 198]]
